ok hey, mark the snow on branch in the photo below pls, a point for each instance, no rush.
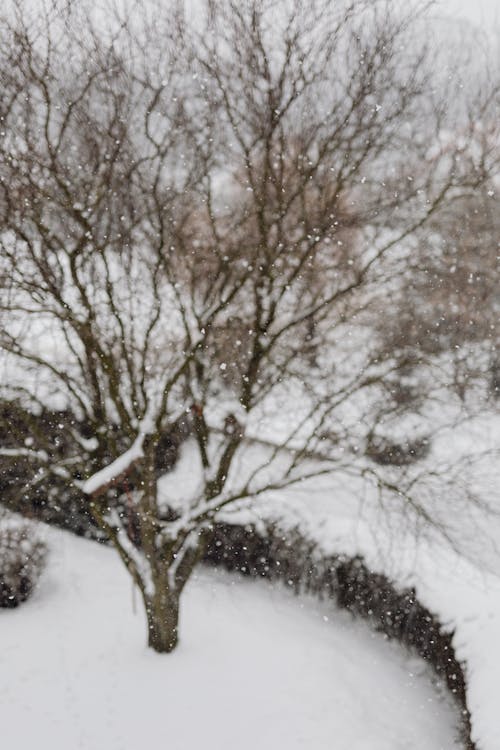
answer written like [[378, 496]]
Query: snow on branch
[[137, 562], [24, 453], [121, 466]]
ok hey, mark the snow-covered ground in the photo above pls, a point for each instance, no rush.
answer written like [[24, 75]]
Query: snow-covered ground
[[461, 587], [463, 590], [256, 668]]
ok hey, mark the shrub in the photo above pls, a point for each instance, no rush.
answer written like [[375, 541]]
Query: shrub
[[388, 453], [22, 559]]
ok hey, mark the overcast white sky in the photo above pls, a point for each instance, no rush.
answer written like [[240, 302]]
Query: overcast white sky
[[483, 12]]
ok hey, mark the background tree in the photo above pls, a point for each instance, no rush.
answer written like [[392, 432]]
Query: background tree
[[200, 223]]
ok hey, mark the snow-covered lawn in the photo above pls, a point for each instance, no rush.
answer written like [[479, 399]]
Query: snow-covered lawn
[[463, 591], [256, 668]]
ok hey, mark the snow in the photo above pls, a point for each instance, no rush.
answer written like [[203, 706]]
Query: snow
[[122, 464], [256, 667], [470, 600], [115, 469], [462, 590], [341, 515], [182, 485]]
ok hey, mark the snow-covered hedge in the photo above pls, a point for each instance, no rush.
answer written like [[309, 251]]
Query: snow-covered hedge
[[294, 560], [22, 559]]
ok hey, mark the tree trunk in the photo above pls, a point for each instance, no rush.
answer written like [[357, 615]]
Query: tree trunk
[[162, 610]]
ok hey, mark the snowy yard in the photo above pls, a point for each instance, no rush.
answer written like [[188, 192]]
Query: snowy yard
[[249, 275], [256, 668]]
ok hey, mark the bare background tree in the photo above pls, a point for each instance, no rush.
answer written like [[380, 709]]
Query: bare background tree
[[202, 223]]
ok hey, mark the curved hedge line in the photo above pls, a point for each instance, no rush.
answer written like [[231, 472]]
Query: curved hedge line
[[294, 560]]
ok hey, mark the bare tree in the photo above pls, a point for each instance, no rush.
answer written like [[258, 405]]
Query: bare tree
[[198, 221]]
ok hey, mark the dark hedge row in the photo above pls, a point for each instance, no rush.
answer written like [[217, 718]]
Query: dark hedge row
[[294, 560]]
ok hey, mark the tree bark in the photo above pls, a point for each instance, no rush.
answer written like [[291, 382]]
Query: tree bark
[[162, 611]]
